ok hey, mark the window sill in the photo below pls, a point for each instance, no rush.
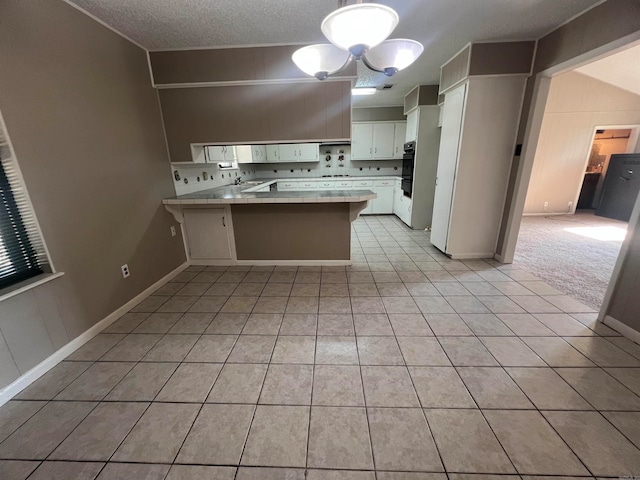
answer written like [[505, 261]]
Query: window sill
[[22, 287]]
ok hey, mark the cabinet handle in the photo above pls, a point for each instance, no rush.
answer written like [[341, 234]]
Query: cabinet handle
[[375, 150], [223, 222], [370, 150]]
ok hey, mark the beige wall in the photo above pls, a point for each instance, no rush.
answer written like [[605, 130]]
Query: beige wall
[[577, 104], [85, 125], [377, 114]]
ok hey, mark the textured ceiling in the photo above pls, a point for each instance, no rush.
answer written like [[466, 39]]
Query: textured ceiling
[[443, 27], [621, 70]]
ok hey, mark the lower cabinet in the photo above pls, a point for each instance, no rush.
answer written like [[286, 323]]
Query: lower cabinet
[[402, 206], [207, 234], [383, 203]]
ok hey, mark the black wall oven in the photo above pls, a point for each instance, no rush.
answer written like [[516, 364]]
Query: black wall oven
[[408, 162]]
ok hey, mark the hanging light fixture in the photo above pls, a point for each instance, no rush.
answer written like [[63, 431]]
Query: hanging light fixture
[[358, 32]]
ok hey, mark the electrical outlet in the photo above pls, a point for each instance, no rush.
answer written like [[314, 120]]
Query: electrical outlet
[[125, 270], [173, 231], [570, 205], [546, 204]]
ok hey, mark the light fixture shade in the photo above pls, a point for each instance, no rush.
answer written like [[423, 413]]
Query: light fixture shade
[[359, 27], [394, 55], [320, 60]]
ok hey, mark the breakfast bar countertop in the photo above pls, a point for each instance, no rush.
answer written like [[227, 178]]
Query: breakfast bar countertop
[[231, 194]]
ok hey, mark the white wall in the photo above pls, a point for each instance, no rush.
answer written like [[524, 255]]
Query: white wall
[[577, 105]]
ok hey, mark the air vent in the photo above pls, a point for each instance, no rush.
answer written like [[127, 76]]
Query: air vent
[[386, 86]]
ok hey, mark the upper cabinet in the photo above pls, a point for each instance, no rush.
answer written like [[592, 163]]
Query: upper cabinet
[[274, 153], [294, 152], [215, 154], [378, 140]]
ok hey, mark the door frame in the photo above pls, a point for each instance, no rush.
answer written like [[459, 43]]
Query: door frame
[[542, 82]]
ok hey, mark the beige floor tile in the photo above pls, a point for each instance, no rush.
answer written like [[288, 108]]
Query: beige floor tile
[[234, 305], [563, 324], [248, 289], [415, 476], [629, 377], [178, 304], [171, 348], [500, 303], [197, 472], [127, 323], [367, 305], [52, 382], [221, 289], [628, 423], [410, 324], [336, 305], [45, 430], [339, 438], [491, 387], [142, 383], [270, 305], [96, 347], [337, 385], [65, 470], [302, 305], [252, 349], [339, 475], [597, 443], [627, 345], [227, 324], [388, 387], [602, 352], [392, 290], [423, 351], [259, 473], [466, 442], [14, 413], [278, 437], [451, 288], [422, 289], [363, 290], [335, 324], [150, 304], [372, 324], [123, 471], [447, 324], [212, 348], [479, 286], [525, 324], [567, 304], [96, 382], [433, 304], [287, 385], [336, 350], [534, 304], [195, 323], [467, 352], [533, 446], [547, 390], [238, 383], [299, 324], [600, 389], [194, 289], [512, 352], [131, 348], [402, 441], [466, 304], [263, 323], [218, 435], [556, 352], [98, 436], [191, 382], [400, 305], [485, 324], [379, 351], [276, 290], [440, 387], [340, 290], [158, 435], [294, 349]]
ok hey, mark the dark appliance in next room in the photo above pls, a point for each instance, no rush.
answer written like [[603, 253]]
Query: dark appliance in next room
[[408, 161]]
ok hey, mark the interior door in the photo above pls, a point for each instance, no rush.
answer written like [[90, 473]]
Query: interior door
[[362, 141], [621, 187], [447, 163], [207, 233], [383, 140]]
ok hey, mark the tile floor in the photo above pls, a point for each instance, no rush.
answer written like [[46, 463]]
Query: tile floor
[[405, 366]]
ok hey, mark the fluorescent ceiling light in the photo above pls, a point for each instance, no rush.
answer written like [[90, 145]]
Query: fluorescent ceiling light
[[363, 91]]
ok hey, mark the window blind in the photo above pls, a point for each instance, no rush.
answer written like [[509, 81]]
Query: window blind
[[22, 252]]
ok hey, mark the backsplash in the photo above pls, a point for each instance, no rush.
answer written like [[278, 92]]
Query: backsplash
[[331, 167], [202, 176]]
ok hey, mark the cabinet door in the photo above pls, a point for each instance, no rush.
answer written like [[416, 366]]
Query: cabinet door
[[259, 153], [362, 141], [215, 154], [412, 126], [289, 152], [399, 139], [384, 202], [308, 152], [452, 116], [207, 234], [273, 153], [230, 154], [383, 141]]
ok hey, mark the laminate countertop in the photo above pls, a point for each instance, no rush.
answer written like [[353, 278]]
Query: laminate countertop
[[231, 194]]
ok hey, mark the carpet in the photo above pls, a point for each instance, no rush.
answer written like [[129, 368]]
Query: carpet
[[573, 253]]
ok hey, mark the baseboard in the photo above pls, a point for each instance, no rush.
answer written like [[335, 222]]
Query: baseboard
[[473, 256], [11, 390], [301, 263], [546, 214], [622, 328]]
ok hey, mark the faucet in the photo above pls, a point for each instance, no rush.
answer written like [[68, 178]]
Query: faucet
[[238, 181]]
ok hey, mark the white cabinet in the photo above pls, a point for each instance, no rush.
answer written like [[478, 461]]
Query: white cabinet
[[361, 141], [401, 204], [217, 153], [308, 185], [377, 140], [362, 184], [288, 152], [273, 153], [326, 185], [383, 203], [399, 140], [344, 184], [383, 140], [308, 152], [251, 153], [412, 126], [288, 186], [207, 234]]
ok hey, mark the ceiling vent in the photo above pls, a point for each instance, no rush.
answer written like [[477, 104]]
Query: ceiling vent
[[386, 86]]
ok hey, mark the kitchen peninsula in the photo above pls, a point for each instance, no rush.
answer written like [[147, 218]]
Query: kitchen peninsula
[[235, 224]]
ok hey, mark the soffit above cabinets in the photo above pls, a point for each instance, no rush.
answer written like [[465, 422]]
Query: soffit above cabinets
[[442, 26]]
